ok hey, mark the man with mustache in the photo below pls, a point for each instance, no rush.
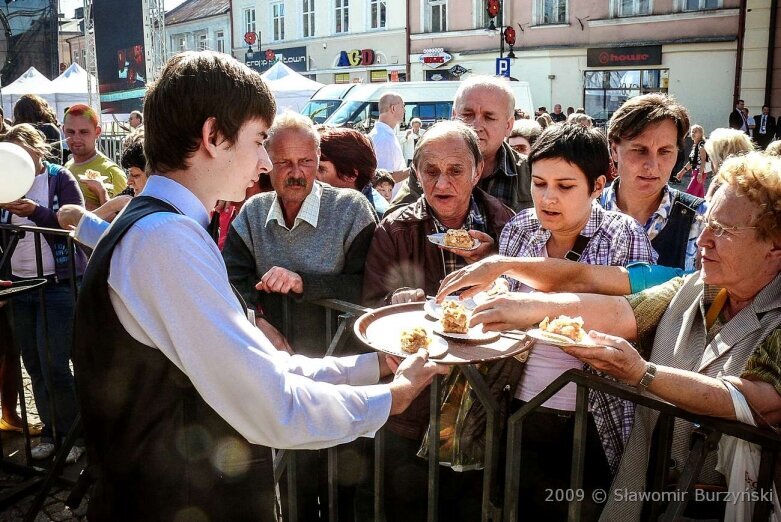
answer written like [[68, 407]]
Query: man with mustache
[[305, 240]]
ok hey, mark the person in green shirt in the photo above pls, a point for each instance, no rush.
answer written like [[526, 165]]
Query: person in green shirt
[[82, 130]]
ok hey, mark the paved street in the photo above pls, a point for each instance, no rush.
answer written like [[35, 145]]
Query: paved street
[[54, 508]]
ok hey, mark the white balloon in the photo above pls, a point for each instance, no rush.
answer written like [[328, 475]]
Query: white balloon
[[17, 172]]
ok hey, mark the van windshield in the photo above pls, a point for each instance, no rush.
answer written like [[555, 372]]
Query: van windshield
[[319, 110], [355, 114]]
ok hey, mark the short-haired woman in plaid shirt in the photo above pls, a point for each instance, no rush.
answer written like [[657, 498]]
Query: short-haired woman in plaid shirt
[[569, 165]]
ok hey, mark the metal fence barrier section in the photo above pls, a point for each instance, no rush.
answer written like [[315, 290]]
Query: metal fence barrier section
[[498, 503]]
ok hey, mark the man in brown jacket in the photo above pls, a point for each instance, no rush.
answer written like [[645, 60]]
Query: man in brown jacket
[[403, 266]]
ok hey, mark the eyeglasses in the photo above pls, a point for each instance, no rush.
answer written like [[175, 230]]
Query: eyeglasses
[[718, 229]]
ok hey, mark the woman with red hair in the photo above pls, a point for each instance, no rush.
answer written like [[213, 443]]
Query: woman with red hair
[[347, 160]]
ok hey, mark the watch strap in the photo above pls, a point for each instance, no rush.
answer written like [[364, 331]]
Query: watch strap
[[648, 377]]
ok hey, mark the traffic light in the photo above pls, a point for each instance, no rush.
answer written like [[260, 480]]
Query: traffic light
[[509, 36], [493, 8]]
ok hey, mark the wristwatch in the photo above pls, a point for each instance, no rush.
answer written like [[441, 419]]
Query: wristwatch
[[648, 377]]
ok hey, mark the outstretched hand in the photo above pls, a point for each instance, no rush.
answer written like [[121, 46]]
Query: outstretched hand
[[510, 311], [412, 376], [614, 356], [473, 279]]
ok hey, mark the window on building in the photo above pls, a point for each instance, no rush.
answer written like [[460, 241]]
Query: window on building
[[481, 14], [342, 16], [605, 91], [75, 58], [342, 78], [181, 43], [84, 58], [278, 21], [551, 12], [632, 7], [203, 42], [698, 5], [309, 18], [249, 20], [437, 16], [378, 8], [219, 39]]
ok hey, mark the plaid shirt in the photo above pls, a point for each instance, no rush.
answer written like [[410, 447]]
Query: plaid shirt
[[510, 181], [475, 220], [500, 183], [616, 239], [658, 220]]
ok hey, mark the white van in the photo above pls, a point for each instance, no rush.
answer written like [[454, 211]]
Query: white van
[[429, 101], [326, 100]]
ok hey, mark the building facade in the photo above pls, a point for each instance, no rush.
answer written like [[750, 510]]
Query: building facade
[[331, 41], [199, 25], [70, 29], [589, 53]]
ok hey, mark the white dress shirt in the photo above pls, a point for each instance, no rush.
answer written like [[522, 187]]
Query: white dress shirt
[[169, 287], [90, 229], [387, 148]]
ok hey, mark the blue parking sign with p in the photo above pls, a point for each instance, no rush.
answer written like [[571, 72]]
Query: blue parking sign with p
[[503, 67]]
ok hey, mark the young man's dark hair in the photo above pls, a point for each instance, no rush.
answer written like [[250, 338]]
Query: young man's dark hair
[[173, 131], [585, 148], [133, 154], [636, 114]]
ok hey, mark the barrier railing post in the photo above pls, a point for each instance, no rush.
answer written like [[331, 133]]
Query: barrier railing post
[[578, 453], [432, 513]]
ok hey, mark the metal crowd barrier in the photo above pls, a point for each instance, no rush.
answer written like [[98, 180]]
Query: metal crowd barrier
[[112, 145], [711, 429], [506, 508]]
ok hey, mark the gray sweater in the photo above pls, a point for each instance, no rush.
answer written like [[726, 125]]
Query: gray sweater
[[329, 258]]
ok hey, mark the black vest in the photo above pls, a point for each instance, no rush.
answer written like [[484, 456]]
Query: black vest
[[672, 240], [157, 451]]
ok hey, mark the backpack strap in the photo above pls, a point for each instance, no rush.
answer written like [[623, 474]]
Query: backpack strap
[[577, 249]]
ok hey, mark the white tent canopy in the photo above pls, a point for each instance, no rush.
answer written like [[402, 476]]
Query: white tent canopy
[[67, 89], [291, 90], [74, 80]]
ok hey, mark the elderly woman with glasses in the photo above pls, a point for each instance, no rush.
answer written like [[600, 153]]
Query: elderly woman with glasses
[[693, 334]]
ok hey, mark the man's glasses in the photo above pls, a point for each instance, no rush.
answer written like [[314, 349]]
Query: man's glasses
[[718, 229]]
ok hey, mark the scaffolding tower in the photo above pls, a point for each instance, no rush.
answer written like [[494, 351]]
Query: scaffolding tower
[[154, 38], [91, 58], [154, 44]]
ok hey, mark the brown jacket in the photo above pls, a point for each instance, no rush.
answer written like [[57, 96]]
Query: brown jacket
[[400, 256]]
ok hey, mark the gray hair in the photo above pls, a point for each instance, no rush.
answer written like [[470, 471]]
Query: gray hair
[[527, 129], [290, 120], [486, 82], [449, 128]]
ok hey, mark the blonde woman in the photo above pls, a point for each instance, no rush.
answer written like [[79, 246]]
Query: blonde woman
[[698, 159], [722, 144]]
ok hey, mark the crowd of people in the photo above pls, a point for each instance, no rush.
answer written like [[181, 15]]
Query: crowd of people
[[198, 343]]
